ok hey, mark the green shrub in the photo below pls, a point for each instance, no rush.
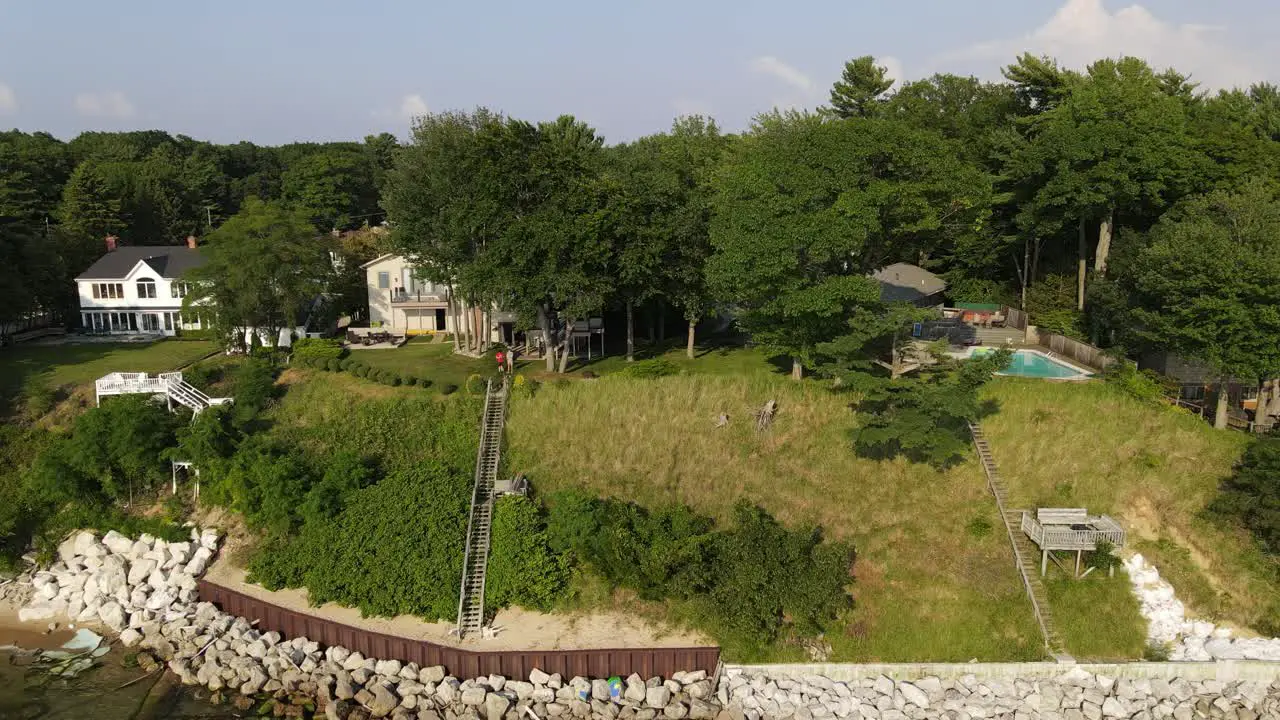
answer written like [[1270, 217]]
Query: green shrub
[[203, 334], [1145, 385], [361, 371], [333, 364], [523, 570], [744, 585], [114, 452], [396, 380], [253, 388], [323, 348], [395, 548], [979, 527], [1251, 495], [657, 367], [346, 363], [766, 577], [1103, 557], [448, 389], [475, 384]]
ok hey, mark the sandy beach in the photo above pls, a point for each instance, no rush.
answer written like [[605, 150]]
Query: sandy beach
[[518, 629]]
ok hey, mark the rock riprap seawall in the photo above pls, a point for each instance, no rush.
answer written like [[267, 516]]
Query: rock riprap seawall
[[1188, 639], [1075, 694], [145, 590]]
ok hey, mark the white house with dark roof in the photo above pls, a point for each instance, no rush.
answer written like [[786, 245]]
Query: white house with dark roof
[[138, 289]]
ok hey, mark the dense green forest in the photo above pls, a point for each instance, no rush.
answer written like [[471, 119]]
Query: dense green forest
[[1119, 204], [59, 199]]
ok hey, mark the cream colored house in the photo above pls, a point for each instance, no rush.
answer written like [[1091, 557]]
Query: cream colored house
[[401, 302]]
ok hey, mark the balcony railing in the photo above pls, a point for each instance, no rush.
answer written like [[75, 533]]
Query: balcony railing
[[416, 297]]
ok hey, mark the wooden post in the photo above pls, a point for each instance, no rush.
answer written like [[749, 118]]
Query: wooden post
[[1044, 562], [1079, 555]]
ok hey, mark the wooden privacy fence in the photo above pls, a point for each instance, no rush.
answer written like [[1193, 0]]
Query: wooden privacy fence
[[1076, 350], [459, 662], [1015, 318]]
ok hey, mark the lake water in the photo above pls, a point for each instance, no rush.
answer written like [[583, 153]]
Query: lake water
[[28, 693]]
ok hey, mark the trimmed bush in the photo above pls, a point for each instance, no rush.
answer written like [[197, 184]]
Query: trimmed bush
[[475, 384], [361, 371], [346, 363], [396, 381], [322, 348], [333, 364], [448, 389]]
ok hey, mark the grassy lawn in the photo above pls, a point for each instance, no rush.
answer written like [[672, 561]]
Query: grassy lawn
[[25, 367], [707, 360], [932, 581], [422, 357], [1154, 469], [1097, 615]]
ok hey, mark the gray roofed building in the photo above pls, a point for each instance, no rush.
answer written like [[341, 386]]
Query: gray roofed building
[[904, 282], [168, 261]]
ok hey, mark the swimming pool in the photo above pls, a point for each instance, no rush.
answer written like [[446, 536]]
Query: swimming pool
[[1035, 364]]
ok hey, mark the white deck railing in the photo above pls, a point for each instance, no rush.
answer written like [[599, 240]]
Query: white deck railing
[[1064, 537], [171, 385]]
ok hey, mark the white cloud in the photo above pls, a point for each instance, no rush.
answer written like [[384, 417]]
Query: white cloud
[[412, 106], [770, 65], [8, 101], [1082, 31], [111, 104]]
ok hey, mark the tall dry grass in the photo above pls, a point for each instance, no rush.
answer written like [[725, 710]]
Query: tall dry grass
[[1154, 468], [925, 588]]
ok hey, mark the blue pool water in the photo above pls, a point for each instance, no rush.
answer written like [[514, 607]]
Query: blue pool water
[[1033, 364]]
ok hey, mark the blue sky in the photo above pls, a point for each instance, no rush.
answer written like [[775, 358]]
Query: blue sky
[[275, 71]]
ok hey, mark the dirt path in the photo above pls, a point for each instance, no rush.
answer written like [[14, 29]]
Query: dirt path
[[517, 629]]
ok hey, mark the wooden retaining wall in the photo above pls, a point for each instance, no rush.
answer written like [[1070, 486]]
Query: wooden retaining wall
[[459, 662]]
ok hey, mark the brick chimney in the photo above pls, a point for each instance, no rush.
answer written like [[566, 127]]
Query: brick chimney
[[191, 241], [111, 243]]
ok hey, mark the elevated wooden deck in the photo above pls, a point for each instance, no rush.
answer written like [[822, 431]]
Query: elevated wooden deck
[[1076, 530]]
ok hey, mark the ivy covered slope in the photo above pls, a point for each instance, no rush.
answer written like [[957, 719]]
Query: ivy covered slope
[[359, 493]]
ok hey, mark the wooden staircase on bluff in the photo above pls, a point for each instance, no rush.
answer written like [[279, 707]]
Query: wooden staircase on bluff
[[476, 559], [1024, 552]]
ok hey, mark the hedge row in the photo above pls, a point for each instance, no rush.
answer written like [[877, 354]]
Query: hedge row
[[368, 372]]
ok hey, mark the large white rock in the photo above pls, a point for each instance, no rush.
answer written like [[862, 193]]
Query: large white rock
[[140, 569], [199, 561], [117, 543], [179, 554], [209, 539], [112, 615], [160, 600], [67, 550]]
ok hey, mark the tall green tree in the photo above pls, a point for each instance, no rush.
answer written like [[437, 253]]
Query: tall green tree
[[1208, 286], [447, 200], [334, 187], [1116, 142], [806, 208], [860, 89], [88, 206], [261, 269]]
